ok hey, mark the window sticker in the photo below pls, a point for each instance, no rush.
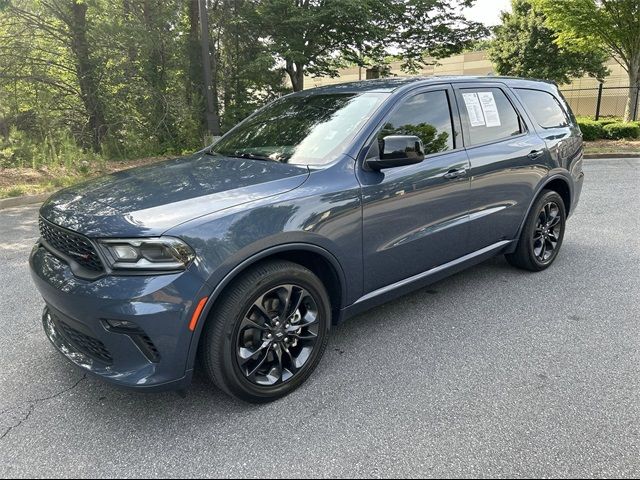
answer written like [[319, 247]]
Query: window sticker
[[490, 109], [476, 117]]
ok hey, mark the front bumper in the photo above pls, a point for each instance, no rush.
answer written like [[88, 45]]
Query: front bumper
[[155, 357]]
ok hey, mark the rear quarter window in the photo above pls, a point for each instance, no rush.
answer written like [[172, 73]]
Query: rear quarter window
[[545, 108]]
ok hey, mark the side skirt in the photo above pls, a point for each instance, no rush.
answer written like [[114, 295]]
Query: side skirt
[[398, 289]]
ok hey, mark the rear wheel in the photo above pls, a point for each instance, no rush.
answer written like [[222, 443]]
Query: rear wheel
[[268, 333], [542, 235]]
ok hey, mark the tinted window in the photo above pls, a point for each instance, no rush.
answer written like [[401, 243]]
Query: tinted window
[[489, 115], [544, 107], [307, 129], [427, 116]]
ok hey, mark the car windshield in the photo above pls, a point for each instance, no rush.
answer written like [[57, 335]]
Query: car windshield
[[308, 130]]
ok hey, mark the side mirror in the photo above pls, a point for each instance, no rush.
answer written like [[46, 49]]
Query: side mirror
[[397, 151]]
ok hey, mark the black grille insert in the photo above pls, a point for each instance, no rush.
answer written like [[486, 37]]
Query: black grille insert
[[90, 346], [72, 245]]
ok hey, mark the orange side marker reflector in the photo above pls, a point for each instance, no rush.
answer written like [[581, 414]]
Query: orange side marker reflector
[[196, 313]]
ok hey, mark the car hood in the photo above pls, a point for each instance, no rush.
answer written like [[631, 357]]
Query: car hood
[[147, 201]]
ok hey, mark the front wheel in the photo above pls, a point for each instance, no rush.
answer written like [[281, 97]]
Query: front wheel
[[542, 235], [268, 333]]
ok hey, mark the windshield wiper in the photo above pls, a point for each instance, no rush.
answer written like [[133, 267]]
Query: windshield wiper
[[252, 156]]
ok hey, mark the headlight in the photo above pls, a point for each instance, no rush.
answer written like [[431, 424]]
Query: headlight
[[163, 253]]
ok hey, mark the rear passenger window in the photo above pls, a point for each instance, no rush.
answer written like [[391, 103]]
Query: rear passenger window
[[489, 115], [544, 107], [427, 116]]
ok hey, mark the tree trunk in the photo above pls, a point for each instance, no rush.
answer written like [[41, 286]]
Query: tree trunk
[[127, 10], [295, 70], [213, 120], [194, 76], [634, 88], [86, 74]]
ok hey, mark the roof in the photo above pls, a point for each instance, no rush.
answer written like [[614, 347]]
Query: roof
[[394, 83]]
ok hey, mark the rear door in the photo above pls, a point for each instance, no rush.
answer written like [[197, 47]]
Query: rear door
[[507, 160], [553, 123]]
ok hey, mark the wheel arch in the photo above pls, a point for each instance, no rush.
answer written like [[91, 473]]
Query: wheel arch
[[560, 184], [317, 259]]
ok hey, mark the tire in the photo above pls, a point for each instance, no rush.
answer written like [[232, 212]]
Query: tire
[[532, 252], [238, 326]]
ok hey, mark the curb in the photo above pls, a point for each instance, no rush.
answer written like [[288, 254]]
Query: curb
[[24, 200], [588, 156]]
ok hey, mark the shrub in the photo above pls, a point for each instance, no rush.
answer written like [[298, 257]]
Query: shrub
[[618, 131], [55, 149], [609, 121], [591, 130]]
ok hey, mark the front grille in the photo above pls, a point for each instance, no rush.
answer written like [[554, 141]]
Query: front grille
[[72, 245], [92, 347]]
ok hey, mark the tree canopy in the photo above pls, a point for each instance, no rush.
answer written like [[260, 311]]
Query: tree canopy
[[526, 46], [313, 36], [614, 24]]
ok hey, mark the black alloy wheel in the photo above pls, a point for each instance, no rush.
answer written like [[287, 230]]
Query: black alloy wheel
[[277, 335], [542, 234], [268, 331], [546, 235]]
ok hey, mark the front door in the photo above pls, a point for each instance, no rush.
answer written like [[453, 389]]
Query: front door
[[415, 217]]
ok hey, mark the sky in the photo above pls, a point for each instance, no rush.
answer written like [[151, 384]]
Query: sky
[[487, 11]]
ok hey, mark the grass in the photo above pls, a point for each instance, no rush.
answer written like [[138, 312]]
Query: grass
[[16, 191], [15, 182], [612, 146]]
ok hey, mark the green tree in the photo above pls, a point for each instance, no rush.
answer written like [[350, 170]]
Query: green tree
[[248, 76], [312, 36], [614, 24], [525, 46]]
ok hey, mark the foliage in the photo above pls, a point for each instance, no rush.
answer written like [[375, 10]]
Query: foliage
[[619, 131], [591, 130], [97, 79], [308, 35], [608, 128], [525, 46], [614, 24]]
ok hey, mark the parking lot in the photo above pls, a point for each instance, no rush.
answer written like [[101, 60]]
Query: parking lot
[[492, 372]]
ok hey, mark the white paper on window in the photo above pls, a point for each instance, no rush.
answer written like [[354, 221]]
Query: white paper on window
[[474, 109], [490, 109]]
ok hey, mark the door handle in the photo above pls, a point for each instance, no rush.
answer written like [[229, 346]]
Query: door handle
[[455, 173], [535, 154]]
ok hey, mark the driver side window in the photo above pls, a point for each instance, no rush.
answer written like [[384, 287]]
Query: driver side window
[[427, 116]]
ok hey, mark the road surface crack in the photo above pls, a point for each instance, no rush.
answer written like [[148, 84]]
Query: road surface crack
[[31, 405]]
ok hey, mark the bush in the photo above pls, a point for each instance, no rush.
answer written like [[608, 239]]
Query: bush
[[26, 150], [591, 130], [609, 120], [619, 131]]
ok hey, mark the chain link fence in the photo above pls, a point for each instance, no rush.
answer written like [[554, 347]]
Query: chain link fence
[[601, 101]]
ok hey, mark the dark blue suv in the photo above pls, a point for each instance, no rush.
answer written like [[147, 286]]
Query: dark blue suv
[[321, 205]]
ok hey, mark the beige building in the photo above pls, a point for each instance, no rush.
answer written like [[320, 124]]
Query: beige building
[[581, 93]]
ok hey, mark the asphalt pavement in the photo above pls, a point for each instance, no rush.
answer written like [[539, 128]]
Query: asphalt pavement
[[493, 372]]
